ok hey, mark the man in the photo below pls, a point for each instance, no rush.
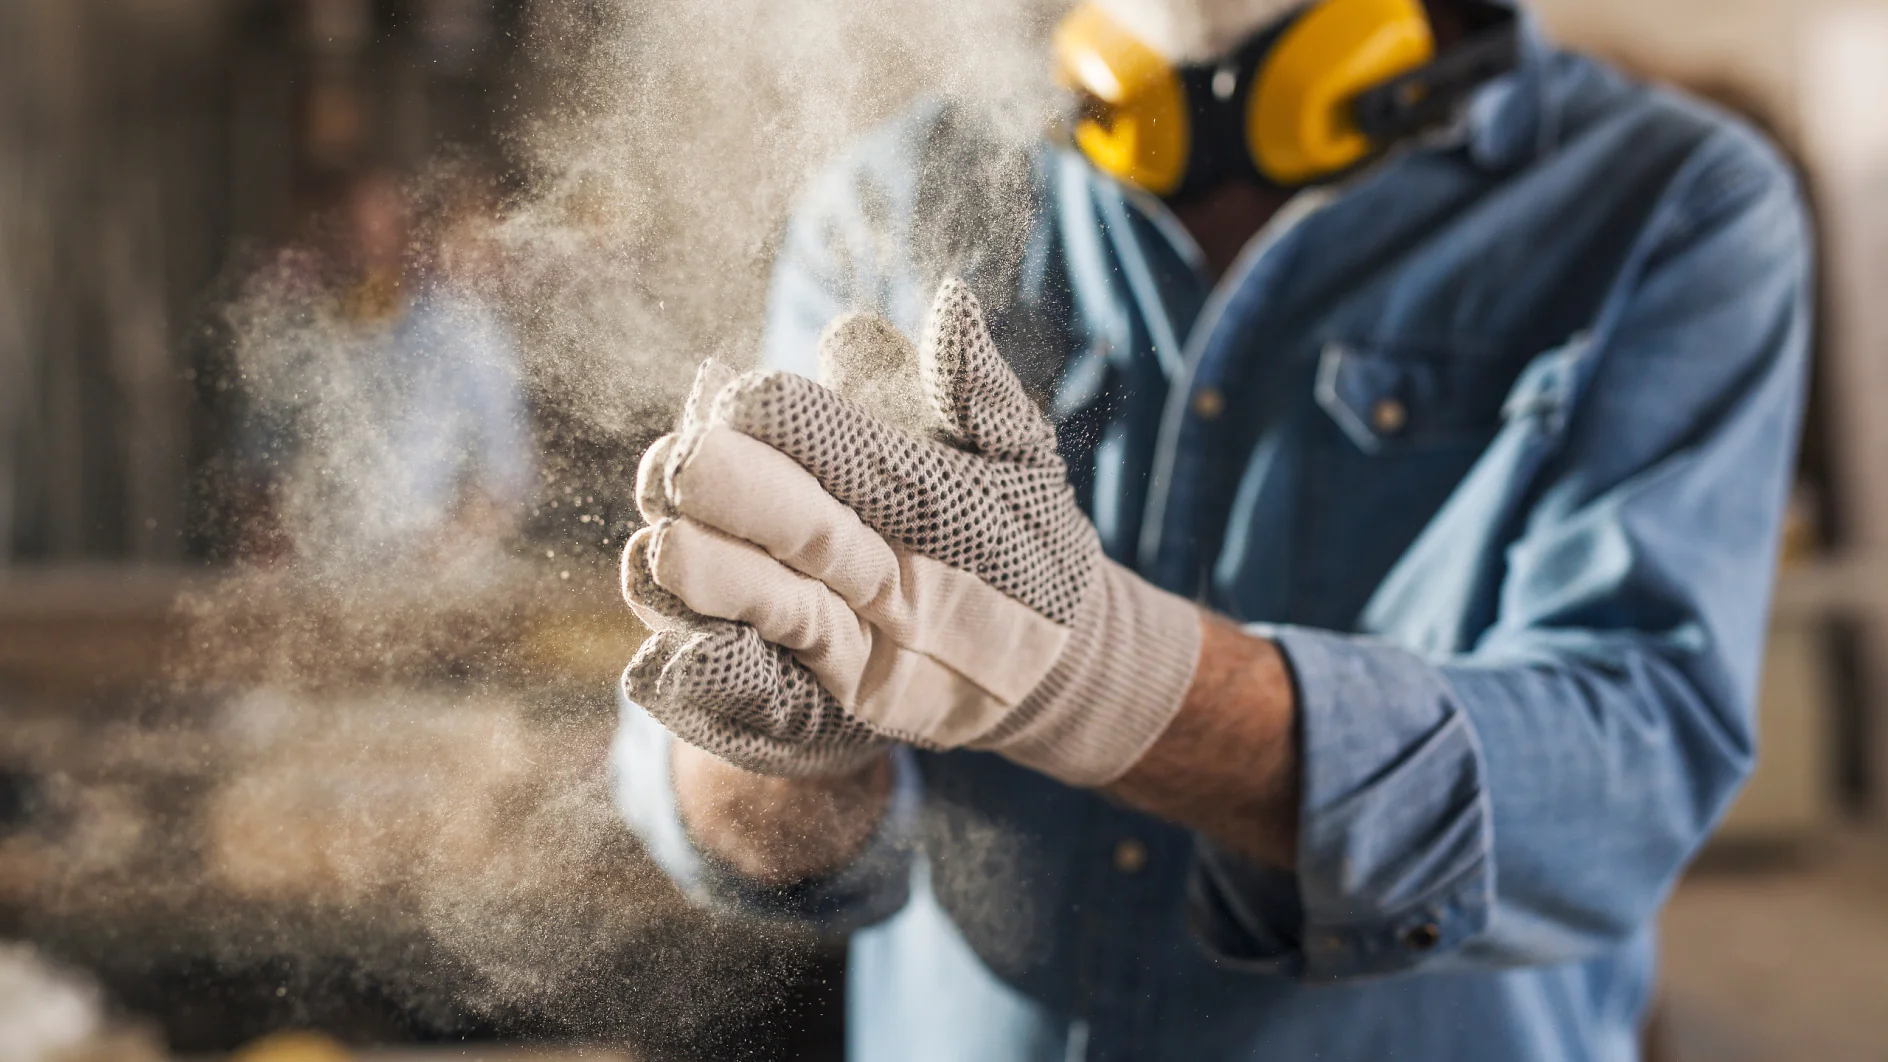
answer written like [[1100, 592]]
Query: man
[[1483, 439], [396, 428]]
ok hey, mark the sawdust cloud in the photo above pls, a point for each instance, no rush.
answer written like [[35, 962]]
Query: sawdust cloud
[[655, 168], [671, 163]]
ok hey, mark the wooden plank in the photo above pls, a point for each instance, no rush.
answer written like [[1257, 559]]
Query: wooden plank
[[105, 627]]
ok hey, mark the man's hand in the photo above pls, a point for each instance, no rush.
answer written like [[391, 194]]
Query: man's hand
[[778, 831], [826, 576], [822, 581], [718, 685]]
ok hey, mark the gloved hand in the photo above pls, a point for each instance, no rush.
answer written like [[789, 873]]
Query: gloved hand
[[717, 684], [823, 579]]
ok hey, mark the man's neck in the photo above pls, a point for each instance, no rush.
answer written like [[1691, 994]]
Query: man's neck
[[1448, 21], [1225, 219]]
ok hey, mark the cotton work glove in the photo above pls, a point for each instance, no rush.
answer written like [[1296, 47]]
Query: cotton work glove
[[823, 578]]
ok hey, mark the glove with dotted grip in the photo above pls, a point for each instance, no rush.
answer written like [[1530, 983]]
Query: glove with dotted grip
[[824, 577]]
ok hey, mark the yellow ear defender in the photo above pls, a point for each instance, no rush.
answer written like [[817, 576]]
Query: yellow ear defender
[[1303, 101]]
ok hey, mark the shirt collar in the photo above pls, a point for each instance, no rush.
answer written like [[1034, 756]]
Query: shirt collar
[[1515, 118]]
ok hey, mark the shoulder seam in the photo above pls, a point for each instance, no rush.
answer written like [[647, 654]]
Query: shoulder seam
[[1731, 166]]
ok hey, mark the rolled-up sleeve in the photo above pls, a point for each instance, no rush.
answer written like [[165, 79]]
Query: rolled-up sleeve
[[869, 889], [1529, 797]]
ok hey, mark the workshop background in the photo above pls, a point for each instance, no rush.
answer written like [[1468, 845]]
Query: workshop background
[[303, 732]]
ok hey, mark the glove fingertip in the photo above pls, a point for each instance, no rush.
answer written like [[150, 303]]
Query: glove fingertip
[[713, 376], [765, 403], [642, 679], [731, 694], [857, 345], [972, 387], [653, 499], [656, 606], [868, 361]]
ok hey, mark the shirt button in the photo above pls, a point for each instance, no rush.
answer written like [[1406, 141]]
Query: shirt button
[[1388, 416], [1130, 856], [1208, 403], [1422, 937]]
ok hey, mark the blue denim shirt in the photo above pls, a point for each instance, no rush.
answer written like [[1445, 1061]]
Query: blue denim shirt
[[1494, 442]]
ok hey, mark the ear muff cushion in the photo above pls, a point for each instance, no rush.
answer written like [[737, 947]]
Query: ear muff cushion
[[1298, 124], [1138, 131]]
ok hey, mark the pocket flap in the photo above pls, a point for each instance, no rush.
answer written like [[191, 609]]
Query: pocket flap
[[1385, 401]]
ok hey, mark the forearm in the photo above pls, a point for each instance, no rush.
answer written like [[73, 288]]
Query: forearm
[[778, 831], [1227, 765]]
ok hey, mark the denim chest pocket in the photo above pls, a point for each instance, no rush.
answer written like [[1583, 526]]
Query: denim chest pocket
[[1389, 400], [1402, 426]]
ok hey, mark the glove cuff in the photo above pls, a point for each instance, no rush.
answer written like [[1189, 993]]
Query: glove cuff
[[1121, 680]]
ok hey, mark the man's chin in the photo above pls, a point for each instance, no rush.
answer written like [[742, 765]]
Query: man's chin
[[1195, 31]]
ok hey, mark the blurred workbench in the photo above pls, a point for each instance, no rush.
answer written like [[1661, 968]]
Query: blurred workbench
[[1772, 961], [378, 806], [77, 628]]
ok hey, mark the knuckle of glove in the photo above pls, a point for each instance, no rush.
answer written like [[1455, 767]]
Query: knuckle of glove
[[652, 474], [714, 683], [1015, 525], [657, 607], [726, 691]]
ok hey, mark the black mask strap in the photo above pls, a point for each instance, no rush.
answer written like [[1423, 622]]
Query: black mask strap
[[1422, 100], [1217, 95], [1430, 95]]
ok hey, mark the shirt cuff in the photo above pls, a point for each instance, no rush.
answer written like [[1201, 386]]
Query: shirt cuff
[[872, 888], [1395, 833]]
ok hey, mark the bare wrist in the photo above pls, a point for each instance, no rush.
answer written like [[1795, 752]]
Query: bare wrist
[[1227, 764]]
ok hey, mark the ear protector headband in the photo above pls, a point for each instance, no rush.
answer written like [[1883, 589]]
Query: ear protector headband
[[1304, 101]]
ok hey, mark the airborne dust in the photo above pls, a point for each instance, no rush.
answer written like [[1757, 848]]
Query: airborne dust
[[397, 757]]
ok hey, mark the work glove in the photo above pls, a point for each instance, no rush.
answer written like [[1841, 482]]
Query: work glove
[[823, 578]]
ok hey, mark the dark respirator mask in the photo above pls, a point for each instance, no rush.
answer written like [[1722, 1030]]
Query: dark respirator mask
[[1303, 101]]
